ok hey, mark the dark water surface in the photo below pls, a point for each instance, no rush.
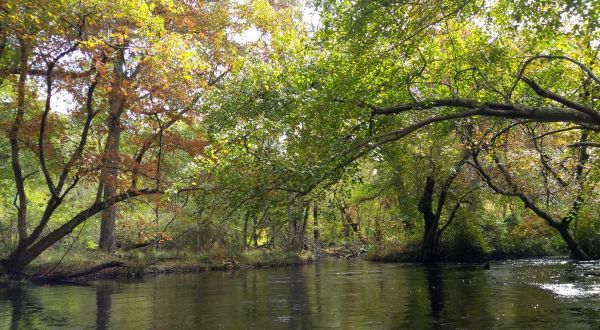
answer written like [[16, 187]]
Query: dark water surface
[[346, 295]]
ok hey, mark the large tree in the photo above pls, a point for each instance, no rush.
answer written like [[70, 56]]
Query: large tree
[[376, 72], [72, 70]]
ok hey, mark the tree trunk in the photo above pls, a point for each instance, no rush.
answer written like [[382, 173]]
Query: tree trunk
[[378, 233], [575, 249], [316, 233], [254, 230], [296, 226], [109, 178], [245, 232], [111, 155], [431, 220], [14, 144]]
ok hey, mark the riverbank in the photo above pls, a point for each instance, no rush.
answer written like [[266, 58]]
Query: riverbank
[[54, 267], [411, 252], [51, 269]]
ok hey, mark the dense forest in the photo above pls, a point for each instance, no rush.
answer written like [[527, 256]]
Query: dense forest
[[227, 133]]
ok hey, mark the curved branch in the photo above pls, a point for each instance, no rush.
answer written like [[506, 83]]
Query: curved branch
[[14, 142], [530, 204], [47, 107], [493, 109], [545, 93], [582, 66], [90, 114]]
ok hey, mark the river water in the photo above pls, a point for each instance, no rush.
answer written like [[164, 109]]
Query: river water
[[345, 295]]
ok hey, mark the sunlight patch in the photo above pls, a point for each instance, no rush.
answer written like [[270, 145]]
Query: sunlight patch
[[570, 290]]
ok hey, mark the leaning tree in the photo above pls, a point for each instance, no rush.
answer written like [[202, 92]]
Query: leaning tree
[[70, 67], [381, 72]]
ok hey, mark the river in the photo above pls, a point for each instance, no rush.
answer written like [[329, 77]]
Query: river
[[329, 294]]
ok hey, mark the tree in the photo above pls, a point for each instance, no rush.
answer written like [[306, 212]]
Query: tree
[[377, 73], [69, 48], [553, 185]]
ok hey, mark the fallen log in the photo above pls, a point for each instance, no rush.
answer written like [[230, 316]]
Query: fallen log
[[62, 277]]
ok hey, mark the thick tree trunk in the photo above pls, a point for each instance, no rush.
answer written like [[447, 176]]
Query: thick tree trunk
[[428, 247], [296, 227], [575, 249], [107, 226], [432, 216], [111, 155]]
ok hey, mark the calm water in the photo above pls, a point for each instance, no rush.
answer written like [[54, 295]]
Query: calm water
[[347, 295]]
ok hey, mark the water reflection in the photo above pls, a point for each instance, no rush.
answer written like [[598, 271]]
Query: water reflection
[[329, 295], [298, 301], [17, 297], [103, 305], [435, 288]]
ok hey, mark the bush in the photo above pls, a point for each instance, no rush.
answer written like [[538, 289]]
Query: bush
[[392, 251], [262, 258]]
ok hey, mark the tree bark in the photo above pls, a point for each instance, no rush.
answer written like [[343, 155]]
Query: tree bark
[[15, 148], [431, 220], [110, 173], [254, 230], [316, 233], [296, 227], [245, 231], [577, 251]]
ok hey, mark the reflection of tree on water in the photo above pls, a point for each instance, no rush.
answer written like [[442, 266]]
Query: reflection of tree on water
[[14, 295], [436, 291], [298, 305], [318, 287], [103, 306], [22, 305]]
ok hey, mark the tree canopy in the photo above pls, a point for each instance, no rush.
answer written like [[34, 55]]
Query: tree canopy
[[191, 124]]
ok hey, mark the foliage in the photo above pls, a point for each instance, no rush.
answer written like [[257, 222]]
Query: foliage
[[217, 127]]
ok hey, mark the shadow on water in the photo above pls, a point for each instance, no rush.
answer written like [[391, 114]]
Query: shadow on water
[[23, 307], [16, 297], [298, 302], [103, 306], [435, 288]]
